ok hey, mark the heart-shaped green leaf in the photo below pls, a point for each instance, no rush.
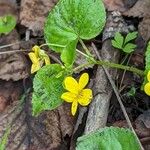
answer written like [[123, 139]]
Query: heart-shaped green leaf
[[108, 139], [71, 20], [7, 23], [48, 88]]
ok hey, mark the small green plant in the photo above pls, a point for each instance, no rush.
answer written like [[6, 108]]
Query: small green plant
[[124, 44], [131, 92], [7, 23]]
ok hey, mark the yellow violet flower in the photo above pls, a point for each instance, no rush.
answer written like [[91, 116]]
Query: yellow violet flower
[[147, 85], [38, 58], [76, 92]]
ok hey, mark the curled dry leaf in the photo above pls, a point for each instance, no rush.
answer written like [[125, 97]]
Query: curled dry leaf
[[33, 14]]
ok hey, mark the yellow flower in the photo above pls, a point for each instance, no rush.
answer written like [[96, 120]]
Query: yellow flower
[[147, 85], [76, 92], [38, 58]]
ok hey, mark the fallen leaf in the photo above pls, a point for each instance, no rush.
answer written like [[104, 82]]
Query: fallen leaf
[[48, 131], [33, 14], [8, 7], [112, 5], [144, 28], [13, 66], [141, 10], [120, 5]]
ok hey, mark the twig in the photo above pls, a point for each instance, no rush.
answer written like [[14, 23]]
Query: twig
[[118, 97]]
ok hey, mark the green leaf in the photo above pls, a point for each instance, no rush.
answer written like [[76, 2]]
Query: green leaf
[[116, 44], [147, 65], [128, 48], [48, 88], [118, 40], [68, 54], [111, 138], [7, 23], [130, 36], [71, 20]]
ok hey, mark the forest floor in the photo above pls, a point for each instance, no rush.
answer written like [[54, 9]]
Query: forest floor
[[58, 129]]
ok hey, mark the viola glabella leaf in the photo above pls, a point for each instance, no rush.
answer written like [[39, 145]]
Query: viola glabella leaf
[[71, 20], [130, 36], [68, 54], [48, 88], [111, 138], [7, 23], [129, 48]]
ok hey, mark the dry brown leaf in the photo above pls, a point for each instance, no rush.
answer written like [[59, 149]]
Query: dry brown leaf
[[33, 14], [141, 10], [112, 5], [13, 66], [45, 132], [120, 5], [144, 27], [8, 7]]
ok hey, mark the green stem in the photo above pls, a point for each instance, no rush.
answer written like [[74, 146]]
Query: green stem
[[112, 65], [51, 44], [104, 63], [85, 48]]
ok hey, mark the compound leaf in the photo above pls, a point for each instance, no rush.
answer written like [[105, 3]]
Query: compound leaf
[[130, 36], [118, 41], [128, 48]]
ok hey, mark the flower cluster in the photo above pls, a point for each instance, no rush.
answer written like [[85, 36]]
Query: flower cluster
[[76, 92], [38, 58]]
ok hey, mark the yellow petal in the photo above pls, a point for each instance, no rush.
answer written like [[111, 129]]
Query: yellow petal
[[68, 97], [34, 68], [74, 107], [33, 58], [147, 88], [71, 85], [36, 50], [84, 79], [85, 97], [47, 60], [148, 76]]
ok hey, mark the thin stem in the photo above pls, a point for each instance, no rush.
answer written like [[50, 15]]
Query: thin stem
[[15, 51], [112, 65], [51, 44], [85, 48]]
